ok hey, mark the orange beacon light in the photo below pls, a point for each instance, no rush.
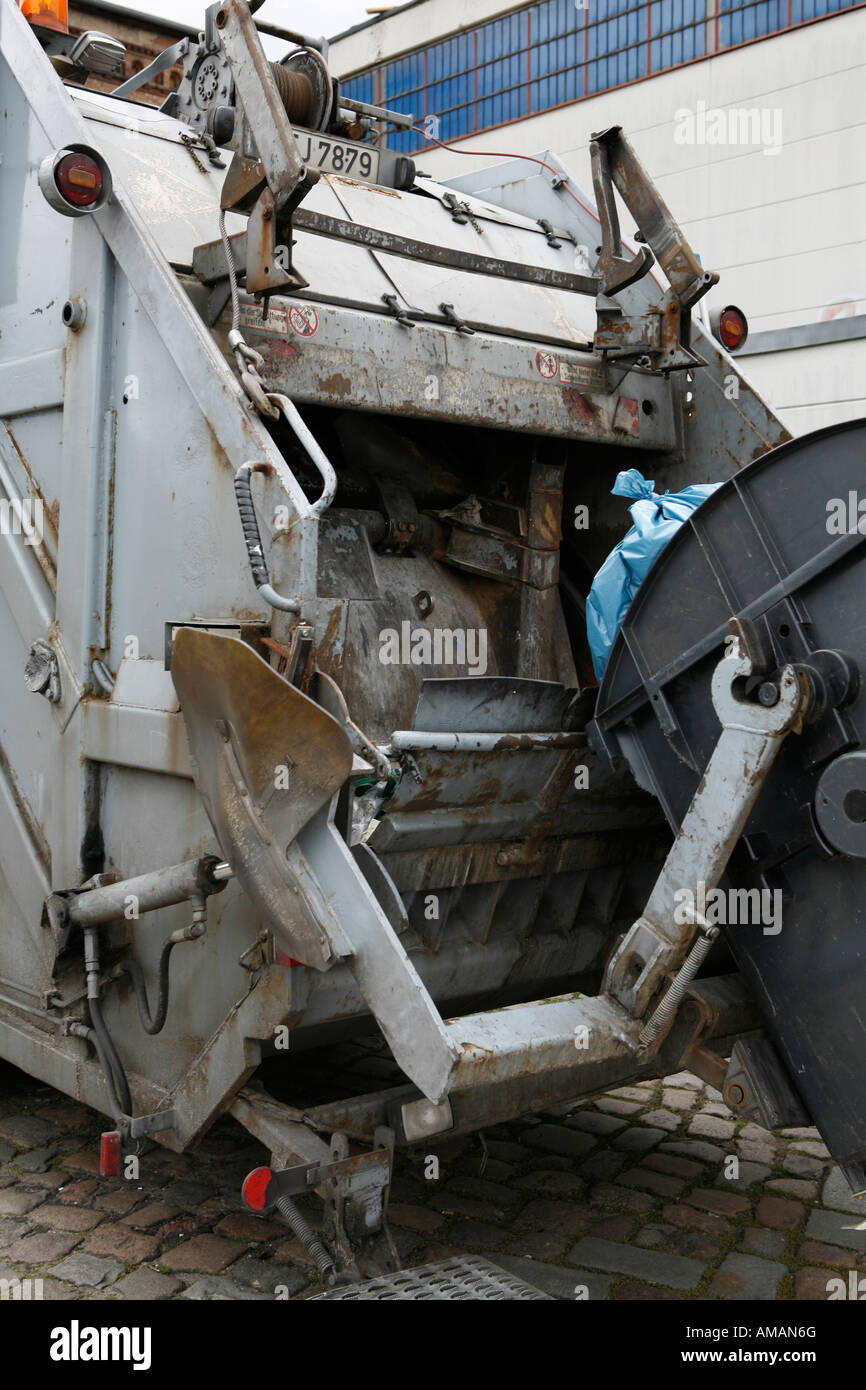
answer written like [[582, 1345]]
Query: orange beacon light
[[47, 14]]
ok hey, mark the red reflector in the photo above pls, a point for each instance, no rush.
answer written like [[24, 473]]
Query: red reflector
[[732, 329], [255, 1187], [79, 179], [109, 1154]]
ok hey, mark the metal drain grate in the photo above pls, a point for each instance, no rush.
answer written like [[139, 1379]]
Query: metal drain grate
[[464, 1277]]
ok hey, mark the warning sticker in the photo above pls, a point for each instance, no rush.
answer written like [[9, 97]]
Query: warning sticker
[[583, 374], [277, 320], [304, 320], [546, 364]]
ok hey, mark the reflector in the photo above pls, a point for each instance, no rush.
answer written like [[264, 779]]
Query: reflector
[[255, 1187], [109, 1154]]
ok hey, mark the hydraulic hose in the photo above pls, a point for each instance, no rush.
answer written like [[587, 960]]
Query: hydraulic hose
[[81, 1030], [115, 1076], [252, 536], [112, 1067], [152, 1023]]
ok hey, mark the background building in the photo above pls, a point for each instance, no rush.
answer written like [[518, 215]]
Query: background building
[[748, 114], [144, 37]]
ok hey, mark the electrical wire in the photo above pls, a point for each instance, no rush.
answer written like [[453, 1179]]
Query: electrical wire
[[532, 159], [502, 154]]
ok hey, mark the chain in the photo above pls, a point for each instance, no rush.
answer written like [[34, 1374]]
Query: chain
[[249, 362], [190, 141], [205, 142]]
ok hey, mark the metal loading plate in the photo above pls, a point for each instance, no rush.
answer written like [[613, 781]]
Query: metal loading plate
[[450, 1281], [780, 546]]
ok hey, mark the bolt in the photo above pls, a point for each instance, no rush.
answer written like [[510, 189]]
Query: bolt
[[768, 693]]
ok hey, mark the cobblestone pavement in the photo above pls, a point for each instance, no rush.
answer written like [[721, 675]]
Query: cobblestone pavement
[[622, 1196]]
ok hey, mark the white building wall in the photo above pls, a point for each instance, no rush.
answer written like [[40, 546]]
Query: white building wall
[[783, 222]]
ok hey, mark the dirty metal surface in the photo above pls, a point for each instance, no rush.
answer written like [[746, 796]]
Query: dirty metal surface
[[244, 723], [456, 1280], [342, 355], [725, 422]]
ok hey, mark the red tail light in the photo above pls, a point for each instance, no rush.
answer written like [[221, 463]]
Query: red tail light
[[79, 179], [730, 326], [75, 180]]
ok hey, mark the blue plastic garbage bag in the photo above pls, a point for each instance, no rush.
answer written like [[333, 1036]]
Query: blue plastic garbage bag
[[657, 517]]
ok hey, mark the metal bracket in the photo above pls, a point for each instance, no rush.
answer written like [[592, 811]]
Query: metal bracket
[[751, 737], [408, 531], [454, 319], [399, 314], [615, 270], [459, 211], [267, 178], [358, 1196], [550, 232], [756, 1086], [167, 59], [140, 1126], [266, 138], [264, 1186], [663, 333]]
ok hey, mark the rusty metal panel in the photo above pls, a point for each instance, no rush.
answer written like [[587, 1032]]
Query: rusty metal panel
[[340, 356]]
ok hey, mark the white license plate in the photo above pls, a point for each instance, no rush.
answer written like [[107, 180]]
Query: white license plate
[[338, 156]]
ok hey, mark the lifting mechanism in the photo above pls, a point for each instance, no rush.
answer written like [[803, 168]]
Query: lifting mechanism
[[336, 805]]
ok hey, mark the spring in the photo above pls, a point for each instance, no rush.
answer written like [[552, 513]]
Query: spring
[[672, 1000], [307, 1236]]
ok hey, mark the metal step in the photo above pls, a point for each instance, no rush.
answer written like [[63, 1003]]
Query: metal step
[[463, 1277]]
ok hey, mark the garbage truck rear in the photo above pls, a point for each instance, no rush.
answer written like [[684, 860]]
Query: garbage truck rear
[[306, 463]]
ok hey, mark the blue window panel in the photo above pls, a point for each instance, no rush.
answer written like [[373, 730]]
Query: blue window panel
[[750, 22], [407, 74], [555, 90], [813, 9], [616, 46], [554, 20], [556, 55], [502, 37], [679, 32], [444, 96], [550, 52], [362, 87]]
